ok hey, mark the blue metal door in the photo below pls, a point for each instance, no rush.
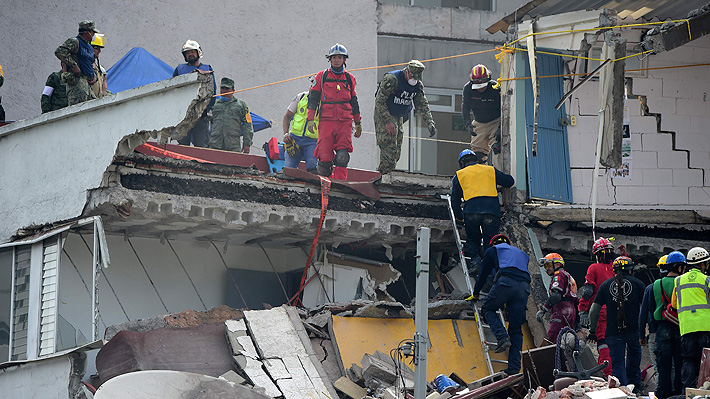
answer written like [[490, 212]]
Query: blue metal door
[[549, 175]]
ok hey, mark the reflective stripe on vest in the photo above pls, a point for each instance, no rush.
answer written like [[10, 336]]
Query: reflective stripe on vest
[[692, 289], [298, 124], [477, 181]]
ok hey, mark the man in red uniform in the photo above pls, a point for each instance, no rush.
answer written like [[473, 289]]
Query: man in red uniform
[[334, 91], [597, 273], [562, 301]]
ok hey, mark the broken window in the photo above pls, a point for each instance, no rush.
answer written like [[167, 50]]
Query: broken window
[[48, 312]]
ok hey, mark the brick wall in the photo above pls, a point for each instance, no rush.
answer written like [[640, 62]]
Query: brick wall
[[670, 167]]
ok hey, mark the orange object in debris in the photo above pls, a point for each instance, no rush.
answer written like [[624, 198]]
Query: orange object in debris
[[273, 149]]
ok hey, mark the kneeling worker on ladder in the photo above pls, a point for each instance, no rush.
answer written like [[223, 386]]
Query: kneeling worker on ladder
[[511, 288]]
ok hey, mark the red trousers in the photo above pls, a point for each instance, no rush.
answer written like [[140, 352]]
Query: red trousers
[[333, 135]]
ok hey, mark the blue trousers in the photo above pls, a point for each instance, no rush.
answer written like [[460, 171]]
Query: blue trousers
[[625, 352], [514, 296], [306, 152], [668, 360]]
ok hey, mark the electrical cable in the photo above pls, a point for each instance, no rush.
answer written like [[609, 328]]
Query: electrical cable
[[234, 281], [147, 275], [186, 273]]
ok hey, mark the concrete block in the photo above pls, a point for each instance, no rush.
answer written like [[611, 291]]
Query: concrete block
[[643, 196], [636, 141], [573, 140], [657, 177], [700, 159], [581, 158], [678, 88], [707, 178], [693, 107], [699, 124], [656, 142], [466, 24], [233, 377], [581, 195], [701, 91], [586, 125], [645, 159], [662, 105], [673, 195], [576, 177], [692, 141], [673, 159], [687, 177], [642, 124], [373, 367], [588, 105], [349, 388], [588, 141], [647, 87], [635, 180], [699, 196], [675, 123]]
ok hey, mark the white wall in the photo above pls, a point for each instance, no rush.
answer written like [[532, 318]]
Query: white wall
[[254, 42], [668, 169]]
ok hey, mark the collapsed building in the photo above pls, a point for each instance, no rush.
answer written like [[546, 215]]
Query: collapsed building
[[105, 235]]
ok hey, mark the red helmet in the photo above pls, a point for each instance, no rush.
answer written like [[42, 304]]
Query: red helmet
[[499, 239], [480, 76], [601, 244]]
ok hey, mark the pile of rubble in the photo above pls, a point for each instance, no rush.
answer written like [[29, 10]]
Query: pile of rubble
[[594, 388]]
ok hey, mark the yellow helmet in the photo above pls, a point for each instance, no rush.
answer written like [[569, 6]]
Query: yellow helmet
[[98, 41], [662, 260]]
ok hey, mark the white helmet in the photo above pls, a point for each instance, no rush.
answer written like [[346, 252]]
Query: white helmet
[[192, 45], [697, 255]]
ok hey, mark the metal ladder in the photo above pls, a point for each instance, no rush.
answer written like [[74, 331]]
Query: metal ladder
[[488, 339]]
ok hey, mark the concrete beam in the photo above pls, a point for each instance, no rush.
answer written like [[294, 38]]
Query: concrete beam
[[628, 216]]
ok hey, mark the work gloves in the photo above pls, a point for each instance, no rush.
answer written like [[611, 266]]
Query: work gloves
[[472, 130], [432, 129], [311, 127], [358, 129], [592, 337], [540, 315], [584, 319], [291, 148]]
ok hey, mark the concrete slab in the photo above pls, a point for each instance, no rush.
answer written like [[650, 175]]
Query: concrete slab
[[349, 388]]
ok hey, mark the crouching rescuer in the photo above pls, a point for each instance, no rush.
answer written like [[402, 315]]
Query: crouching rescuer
[[333, 97]]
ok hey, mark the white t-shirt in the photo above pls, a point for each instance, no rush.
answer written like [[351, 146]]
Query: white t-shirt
[[294, 102]]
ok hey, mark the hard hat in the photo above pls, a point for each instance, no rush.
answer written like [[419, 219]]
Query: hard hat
[[337, 49], [697, 255], [601, 244], [622, 263], [675, 257], [552, 258], [480, 76], [98, 41], [499, 239], [469, 155], [192, 45], [662, 260]]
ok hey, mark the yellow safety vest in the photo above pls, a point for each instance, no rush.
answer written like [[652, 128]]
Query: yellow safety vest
[[477, 181], [298, 124], [692, 289]]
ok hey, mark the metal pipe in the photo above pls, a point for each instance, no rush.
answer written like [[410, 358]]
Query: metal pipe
[[421, 313]]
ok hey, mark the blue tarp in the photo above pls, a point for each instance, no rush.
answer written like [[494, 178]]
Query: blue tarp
[[139, 67]]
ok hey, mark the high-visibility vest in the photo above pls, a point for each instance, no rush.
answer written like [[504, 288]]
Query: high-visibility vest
[[477, 181], [692, 289], [298, 124]]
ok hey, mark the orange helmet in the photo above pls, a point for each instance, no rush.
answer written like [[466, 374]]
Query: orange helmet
[[552, 258]]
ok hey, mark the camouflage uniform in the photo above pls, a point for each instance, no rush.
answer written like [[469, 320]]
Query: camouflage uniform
[[391, 145], [230, 121], [2, 110], [58, 98], [78, 89]]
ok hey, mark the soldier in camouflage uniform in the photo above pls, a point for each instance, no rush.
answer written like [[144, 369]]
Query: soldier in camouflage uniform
[[2, 110], [230, 121], [54, 95], [78, 55], [399, 91]]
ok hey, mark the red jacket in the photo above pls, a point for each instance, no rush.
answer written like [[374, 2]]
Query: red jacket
[[336, 96], [597, 273]]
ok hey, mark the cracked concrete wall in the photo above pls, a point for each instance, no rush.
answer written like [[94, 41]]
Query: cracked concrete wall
[[670, 146], [53, 378], [49, 162], [254, 42]]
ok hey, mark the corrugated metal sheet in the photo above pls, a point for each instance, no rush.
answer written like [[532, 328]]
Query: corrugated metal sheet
[[650, 9], [549, 174]]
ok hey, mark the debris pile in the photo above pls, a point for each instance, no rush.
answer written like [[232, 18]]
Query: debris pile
[[594, 388]]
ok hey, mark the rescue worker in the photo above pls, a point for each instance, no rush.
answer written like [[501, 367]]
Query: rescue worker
[[199, 135], [668, 347], [54, 95], [231, 121], [562, 300], [691, 297], [597, 273], [648, 306], [78, 55], [99, 87], [476, 185], [299, 143], [483, 100], [622, 295], [334, 92], [2, 110], [398, 93], [510, 289]]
